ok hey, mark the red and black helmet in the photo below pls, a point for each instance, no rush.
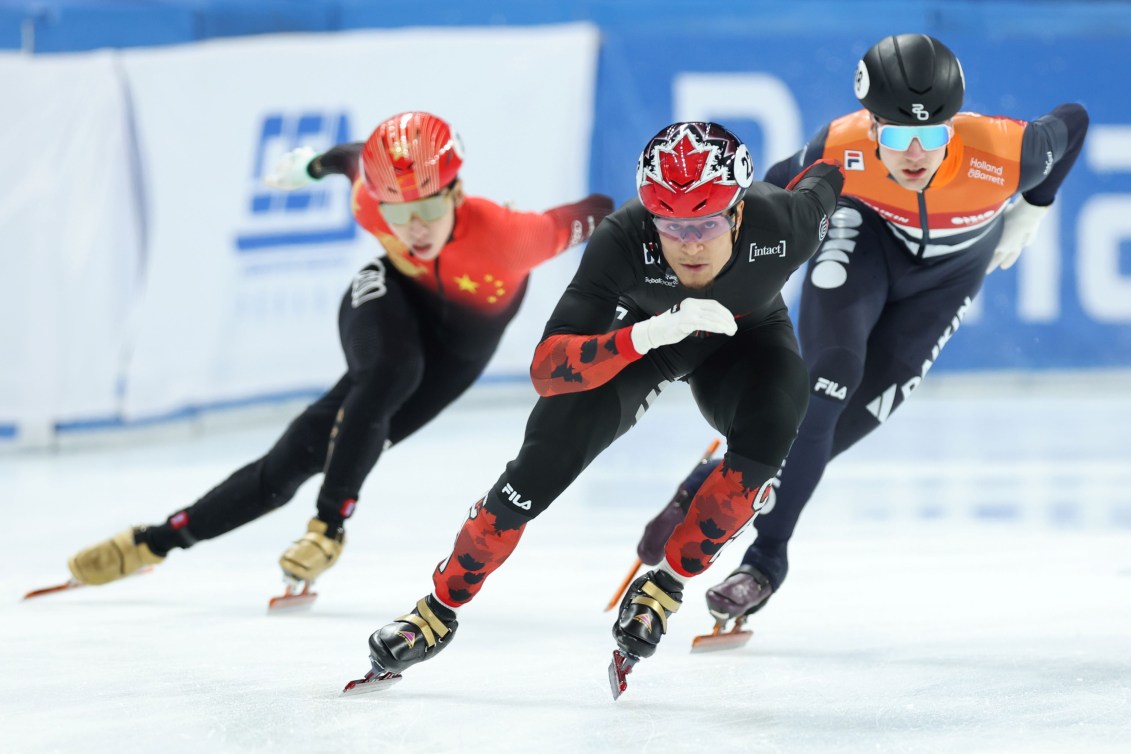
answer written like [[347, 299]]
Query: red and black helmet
[[410, 156], [693, 169]]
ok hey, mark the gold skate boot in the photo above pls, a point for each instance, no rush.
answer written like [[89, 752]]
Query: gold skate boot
[[309, 557], [112, 559], [303, 562]]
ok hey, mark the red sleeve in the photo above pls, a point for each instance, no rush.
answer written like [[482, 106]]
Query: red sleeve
[[566, 363], [535, 237]]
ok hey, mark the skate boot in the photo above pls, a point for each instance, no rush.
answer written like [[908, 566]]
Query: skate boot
[[309, 557], [413, 638], [742, 593], [112, 559], [644, 612], [303, 562]]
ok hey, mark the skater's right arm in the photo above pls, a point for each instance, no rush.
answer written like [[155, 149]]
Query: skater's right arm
[[577, 351], [300, 167]]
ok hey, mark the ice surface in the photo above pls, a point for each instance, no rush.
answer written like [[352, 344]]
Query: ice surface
[[962, 582]]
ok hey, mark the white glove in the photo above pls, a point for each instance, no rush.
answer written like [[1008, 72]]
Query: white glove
[[1019, 228], [290, 171], [690, 315]]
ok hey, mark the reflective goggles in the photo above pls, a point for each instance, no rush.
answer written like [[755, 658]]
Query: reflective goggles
[[930, 138], [428, 210], [700, 230]]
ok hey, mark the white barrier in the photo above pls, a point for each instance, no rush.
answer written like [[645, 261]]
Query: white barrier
[[240, 286], [69, 240]]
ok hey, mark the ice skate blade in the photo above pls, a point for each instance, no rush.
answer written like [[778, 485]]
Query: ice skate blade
[[373, 681], [291, 603], [296, 598], [619, 668], [715, 642], [74, 584]]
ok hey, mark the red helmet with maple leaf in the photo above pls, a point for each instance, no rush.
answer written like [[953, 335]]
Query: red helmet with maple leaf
[[693, 169], [410, 156]]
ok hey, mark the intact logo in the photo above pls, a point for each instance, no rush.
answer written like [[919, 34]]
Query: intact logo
[[831, 389], [317, 214], [514, 497], [777, 250], [853, 159]]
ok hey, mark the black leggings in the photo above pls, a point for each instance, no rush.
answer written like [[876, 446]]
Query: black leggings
[[750, 387], [407, 358], [869, 332]]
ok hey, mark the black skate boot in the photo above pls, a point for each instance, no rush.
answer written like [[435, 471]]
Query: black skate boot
[[642, 622], [644, 612], [741, 594], [406, 641], [414, 637]]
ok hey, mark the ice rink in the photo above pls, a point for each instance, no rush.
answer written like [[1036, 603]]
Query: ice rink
[[962, 582]]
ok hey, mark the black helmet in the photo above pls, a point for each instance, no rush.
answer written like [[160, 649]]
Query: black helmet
[[910, 79]]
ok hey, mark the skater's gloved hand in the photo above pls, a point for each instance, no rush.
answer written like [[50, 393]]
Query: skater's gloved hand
[[290, 172], [1018, 231], [686, 317]]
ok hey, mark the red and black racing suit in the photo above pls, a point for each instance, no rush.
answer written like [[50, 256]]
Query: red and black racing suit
[[415, 335], [750, 386]]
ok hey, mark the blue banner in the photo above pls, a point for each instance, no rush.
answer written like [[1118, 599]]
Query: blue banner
[[1066, 304]]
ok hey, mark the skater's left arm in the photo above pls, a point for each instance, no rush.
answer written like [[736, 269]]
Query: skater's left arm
[[300, 167], [1049, 149], [816, 190], [534, 237]]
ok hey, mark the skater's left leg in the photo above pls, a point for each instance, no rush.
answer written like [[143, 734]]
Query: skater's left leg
[[563, 435]]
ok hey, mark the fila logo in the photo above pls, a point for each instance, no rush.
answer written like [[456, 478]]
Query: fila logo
[[920, 112], [513, 496], [853, 159], [832, 389]]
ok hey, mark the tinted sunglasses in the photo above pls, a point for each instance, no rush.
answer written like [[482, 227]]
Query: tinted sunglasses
[[703, 229], [930, 138], [428, 210]]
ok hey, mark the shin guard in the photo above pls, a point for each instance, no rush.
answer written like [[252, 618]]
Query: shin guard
[[482, 545], [725, 503]]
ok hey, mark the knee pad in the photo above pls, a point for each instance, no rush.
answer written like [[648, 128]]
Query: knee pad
[[763, 430]]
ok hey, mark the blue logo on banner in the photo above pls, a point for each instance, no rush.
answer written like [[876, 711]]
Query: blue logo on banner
[[317, 214]]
